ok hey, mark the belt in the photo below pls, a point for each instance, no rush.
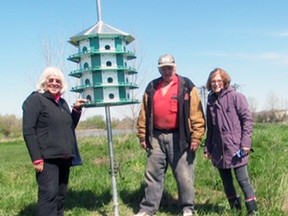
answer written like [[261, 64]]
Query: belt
[[166, 131]]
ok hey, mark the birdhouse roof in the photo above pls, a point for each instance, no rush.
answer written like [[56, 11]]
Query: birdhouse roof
[[102, 30]]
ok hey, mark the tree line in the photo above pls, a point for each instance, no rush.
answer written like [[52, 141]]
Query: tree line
[[11, 126]]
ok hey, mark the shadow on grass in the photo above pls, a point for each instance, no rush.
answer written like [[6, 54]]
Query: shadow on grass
[[92, 202], [77, 199], [28, 210], [87, 199], [132, 199], [208, 208], [168, 205]]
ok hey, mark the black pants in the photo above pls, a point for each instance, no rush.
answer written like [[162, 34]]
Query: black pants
[[52, 187], [242, 176]]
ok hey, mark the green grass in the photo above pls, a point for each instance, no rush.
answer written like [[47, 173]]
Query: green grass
[[90, 187]]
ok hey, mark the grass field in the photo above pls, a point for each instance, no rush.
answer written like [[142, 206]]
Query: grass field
[[90, 187]]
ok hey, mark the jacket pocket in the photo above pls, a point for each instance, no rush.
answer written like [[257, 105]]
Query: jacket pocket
[[173, 105]]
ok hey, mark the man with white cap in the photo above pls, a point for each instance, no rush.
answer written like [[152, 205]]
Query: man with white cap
[[171, 125]]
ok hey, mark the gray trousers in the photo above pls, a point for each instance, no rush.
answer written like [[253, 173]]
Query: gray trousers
[[166, 151], [242, 176]]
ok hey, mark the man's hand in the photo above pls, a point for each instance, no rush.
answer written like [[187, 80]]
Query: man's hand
[[144, 146], [194, 146]]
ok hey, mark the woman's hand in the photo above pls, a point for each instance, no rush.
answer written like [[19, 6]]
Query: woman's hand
[[39, 167], [247, 150], [207, 155], [80, 103]]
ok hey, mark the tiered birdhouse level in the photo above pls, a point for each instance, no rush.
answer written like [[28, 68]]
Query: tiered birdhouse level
[[105, 77]]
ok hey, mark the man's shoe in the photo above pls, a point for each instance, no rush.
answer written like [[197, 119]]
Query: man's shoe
[[187, 212], [143, 213]]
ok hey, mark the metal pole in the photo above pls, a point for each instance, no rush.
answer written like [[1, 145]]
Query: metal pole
[[99, 10], [112, 161]]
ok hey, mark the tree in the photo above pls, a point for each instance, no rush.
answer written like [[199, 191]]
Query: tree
[[55, 54], [130, 115], [272, 101], [252, 104], [203, 94], [10, 125], [94, 122]]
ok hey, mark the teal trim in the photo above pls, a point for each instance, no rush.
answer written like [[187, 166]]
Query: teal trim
[[76, 39], [96, 60], [121, 76], [78, 73], [76, 89], [122, 92], [90, 51], [97, 77], [120, 60], [82, 88], [129, 55], [93, 52], [94, 43], [118, 45], [98, 94], [75, 58], [118, 103], [96, 85]]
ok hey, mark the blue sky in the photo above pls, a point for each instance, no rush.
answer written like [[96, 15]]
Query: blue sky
[[247, 38]]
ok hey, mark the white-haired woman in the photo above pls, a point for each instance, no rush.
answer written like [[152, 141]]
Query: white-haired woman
[[49, 134]]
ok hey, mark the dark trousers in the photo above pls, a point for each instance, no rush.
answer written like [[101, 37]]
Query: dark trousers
[[242, 176], [52, 187]]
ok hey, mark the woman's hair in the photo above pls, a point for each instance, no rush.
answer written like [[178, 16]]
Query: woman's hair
[[51, 71], [224, 75]]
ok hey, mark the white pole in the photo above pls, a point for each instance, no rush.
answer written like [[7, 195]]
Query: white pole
[[112, 161], [99, 11]]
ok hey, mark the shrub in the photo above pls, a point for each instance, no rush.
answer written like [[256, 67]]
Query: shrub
[[10, 125]]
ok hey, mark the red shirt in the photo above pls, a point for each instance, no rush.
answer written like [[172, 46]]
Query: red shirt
[[166, 106]]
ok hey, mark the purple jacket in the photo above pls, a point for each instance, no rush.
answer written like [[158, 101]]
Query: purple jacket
[[229, 128]]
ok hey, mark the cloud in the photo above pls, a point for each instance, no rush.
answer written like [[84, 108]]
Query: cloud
[[280, 34], [274, 57], [281, 58]]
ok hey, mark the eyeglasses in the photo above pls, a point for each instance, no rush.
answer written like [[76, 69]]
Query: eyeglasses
[[51, 80], [216, 81]]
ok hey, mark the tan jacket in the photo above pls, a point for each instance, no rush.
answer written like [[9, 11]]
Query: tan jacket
[[190, 115]]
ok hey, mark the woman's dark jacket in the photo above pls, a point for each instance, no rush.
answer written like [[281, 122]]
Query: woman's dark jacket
[[49, 127], [190, 113], [229, 128]]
